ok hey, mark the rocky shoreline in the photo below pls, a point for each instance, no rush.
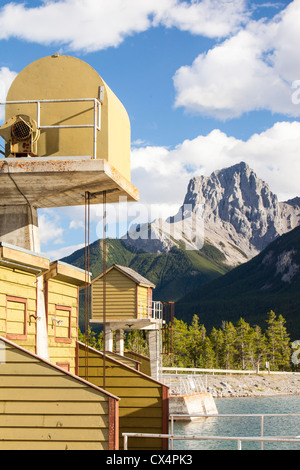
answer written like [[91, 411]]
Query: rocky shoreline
[[226, 386]]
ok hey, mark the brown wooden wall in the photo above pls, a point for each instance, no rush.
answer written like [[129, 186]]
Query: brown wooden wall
[[45, 408], [143, 405]]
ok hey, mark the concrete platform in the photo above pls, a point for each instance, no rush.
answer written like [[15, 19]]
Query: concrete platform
[[200, 403], [60, 182]]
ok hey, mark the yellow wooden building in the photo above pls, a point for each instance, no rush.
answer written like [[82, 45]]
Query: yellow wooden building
[[129, 306], [128, 295], [20, 304], [46, 400], [43, 407], [144, 402], [67, 143]]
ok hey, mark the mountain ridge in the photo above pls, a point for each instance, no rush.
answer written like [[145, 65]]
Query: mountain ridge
[[237, 213], [236, 216], [269, 281]]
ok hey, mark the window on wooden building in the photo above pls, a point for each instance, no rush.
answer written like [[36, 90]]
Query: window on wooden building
[[16, 318], [62, 324]]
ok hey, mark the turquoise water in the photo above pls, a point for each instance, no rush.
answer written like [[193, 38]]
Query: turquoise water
[[273, 426]]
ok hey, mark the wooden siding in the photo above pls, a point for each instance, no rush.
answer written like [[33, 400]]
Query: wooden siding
[[144, 402], [120, 297], [128, 361], [62, 300], [16, 288], [44, 408], [143, 360], [142, 299]]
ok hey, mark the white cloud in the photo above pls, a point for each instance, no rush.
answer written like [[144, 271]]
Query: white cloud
[[62, 252], [210, 18], [92, 25], [49, 228], [252, 70], [6, 78], [79, 24], [163, 174]]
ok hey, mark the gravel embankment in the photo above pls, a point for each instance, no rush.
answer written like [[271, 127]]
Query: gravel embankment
[[253, 385]]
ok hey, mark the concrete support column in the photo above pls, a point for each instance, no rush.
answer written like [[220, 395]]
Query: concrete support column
[[120, 342], [154, 353], [19, 227], [108, 338]]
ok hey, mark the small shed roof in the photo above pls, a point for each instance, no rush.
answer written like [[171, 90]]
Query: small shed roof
[[130, 273]]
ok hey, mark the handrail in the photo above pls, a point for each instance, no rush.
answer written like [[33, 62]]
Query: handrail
[[97, 115], [262, 417], [195, 370], [151, 309], [239, 439]]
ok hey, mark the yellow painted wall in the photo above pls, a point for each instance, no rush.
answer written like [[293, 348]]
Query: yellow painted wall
[[19, 285], [142, 398], [128, 361], [142, 302], [66, 77], [42, 408], [62, 295], [143, 360], [120, 297], [18, 295]]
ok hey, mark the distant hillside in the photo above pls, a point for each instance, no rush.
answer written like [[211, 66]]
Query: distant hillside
[[237, 216], [174, 273], [271, 280]]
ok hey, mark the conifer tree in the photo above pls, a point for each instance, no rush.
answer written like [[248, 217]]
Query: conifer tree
[[208, 355], [278, 342], [217, 342], [136, 341], [229, 350], [257, 352], [196, 337], [285, 352], [180, 344], [243, 342]]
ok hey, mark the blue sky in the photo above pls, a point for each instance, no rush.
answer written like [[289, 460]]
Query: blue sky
[[206, 84]]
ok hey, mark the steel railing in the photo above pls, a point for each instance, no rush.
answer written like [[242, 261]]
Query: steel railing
[[150, 309], [195, 370], [239, 439], [96, 125]]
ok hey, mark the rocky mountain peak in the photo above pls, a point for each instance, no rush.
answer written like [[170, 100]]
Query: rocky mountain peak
[[240, 208], [241, 215], [230, 190]]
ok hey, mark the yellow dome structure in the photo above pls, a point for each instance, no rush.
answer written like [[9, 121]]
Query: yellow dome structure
[[67, 134], [58, 92]]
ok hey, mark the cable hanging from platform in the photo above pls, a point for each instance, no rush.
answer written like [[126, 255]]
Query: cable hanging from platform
[[88, 197]]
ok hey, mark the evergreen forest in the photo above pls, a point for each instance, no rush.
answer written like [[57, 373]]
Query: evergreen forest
[[233, 346]]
